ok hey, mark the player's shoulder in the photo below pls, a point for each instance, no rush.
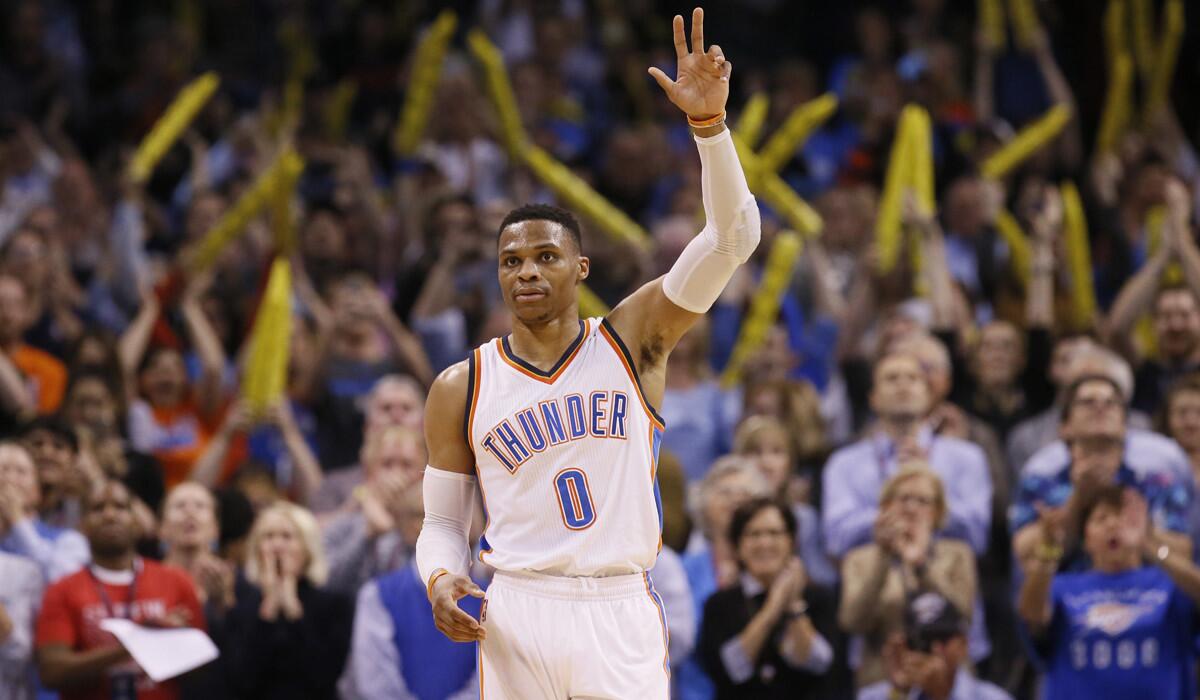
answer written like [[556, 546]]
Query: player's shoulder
[[448, 393]]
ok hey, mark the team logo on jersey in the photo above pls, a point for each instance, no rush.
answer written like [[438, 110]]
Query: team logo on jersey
[[533, 429], [1112, 618]]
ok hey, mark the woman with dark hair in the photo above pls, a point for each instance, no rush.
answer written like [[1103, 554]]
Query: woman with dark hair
[[1123, 628], [771, 634]]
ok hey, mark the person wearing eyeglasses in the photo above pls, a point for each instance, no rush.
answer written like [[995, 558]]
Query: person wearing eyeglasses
[[772, 634], [906, 557], [1094, 422]]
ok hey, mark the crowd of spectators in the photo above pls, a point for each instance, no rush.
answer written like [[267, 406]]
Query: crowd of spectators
[[935, 482]]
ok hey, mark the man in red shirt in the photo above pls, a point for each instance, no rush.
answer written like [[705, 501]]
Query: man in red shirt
[[78, 658]]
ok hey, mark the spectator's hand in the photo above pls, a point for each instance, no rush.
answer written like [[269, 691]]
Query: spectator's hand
[[215, 578], [914, 215], [893, 662], [289, 598], [1052, 524], [887, 530], [144, 522], [1047, 220], [382, 499], [269, 582], [12, 506], [177, 618], [198, 285], [280, 415], [450, 619], [914, 548], [929, 673], [949, 420], [787, 587], [239, 419], [1179, 205], [1135, 522], [701, 87]]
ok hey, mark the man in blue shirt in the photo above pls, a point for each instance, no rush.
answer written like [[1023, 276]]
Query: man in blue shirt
[[1093, 426], [854, 475]]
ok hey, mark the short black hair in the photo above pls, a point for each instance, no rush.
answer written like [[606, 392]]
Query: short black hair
[[1111, 495], [544, 212], [56, 426], [750, 509]]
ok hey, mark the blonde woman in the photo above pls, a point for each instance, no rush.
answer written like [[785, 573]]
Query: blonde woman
[[287, 637], [904, 559], [765, 440]]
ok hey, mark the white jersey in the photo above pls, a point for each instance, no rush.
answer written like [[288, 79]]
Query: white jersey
[[565, 459]]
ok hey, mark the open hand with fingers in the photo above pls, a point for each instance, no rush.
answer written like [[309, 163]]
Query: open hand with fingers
[[701, 84], [450, 619]]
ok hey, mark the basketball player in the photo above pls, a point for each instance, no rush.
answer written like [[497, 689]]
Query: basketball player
[[555, 426]]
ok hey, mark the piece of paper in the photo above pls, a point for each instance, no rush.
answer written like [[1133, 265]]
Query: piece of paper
[[163, 653]]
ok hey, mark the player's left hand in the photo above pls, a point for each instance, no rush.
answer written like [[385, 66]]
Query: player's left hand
[[450, 619], [701, 86]]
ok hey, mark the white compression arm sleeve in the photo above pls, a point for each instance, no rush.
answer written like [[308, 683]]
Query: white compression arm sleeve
[[449, 504], [731, 229]]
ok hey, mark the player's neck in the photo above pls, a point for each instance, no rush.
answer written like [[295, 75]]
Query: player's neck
[[543, 344]]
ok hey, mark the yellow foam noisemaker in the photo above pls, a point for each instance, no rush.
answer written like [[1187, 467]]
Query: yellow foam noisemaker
[[580, 196], [754, 115], [1027, 142], [1024, 21], [920, 180], [1079, 258], [1142, 33], [337, 108], [1158, 93], [1118, 103], [1116, 30], [282, 224], [500, 90], [591, 305], [286, 167], [422, 83], [796, 129], [991, 19], [265, 377], [171, 125], [1017, 242], [764, 306], [888, 240]]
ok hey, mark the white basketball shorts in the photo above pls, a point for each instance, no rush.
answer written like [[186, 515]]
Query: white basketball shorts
[[558, 638]]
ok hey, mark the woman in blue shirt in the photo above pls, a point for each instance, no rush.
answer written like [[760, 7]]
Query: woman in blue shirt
[[1124, 627]]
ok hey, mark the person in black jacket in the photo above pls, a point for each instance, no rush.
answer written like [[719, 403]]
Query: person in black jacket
[[772, 634], [286, 637]]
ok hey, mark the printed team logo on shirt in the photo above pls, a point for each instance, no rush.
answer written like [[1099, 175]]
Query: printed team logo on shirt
[[1113, 618]]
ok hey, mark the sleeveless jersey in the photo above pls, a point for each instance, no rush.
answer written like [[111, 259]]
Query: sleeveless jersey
[[566, 460]]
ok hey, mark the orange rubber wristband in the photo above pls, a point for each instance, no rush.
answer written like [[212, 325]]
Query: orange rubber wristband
[[711, 121], [432, 580]]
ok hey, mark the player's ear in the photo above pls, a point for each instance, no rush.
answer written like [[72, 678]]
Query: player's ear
[[585, 267]]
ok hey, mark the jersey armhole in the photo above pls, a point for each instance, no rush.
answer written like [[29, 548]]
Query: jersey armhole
[[474, 368], [618, 345]]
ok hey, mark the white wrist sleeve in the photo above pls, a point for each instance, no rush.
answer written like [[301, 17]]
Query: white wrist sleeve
[[444, 539], [730, 234]]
